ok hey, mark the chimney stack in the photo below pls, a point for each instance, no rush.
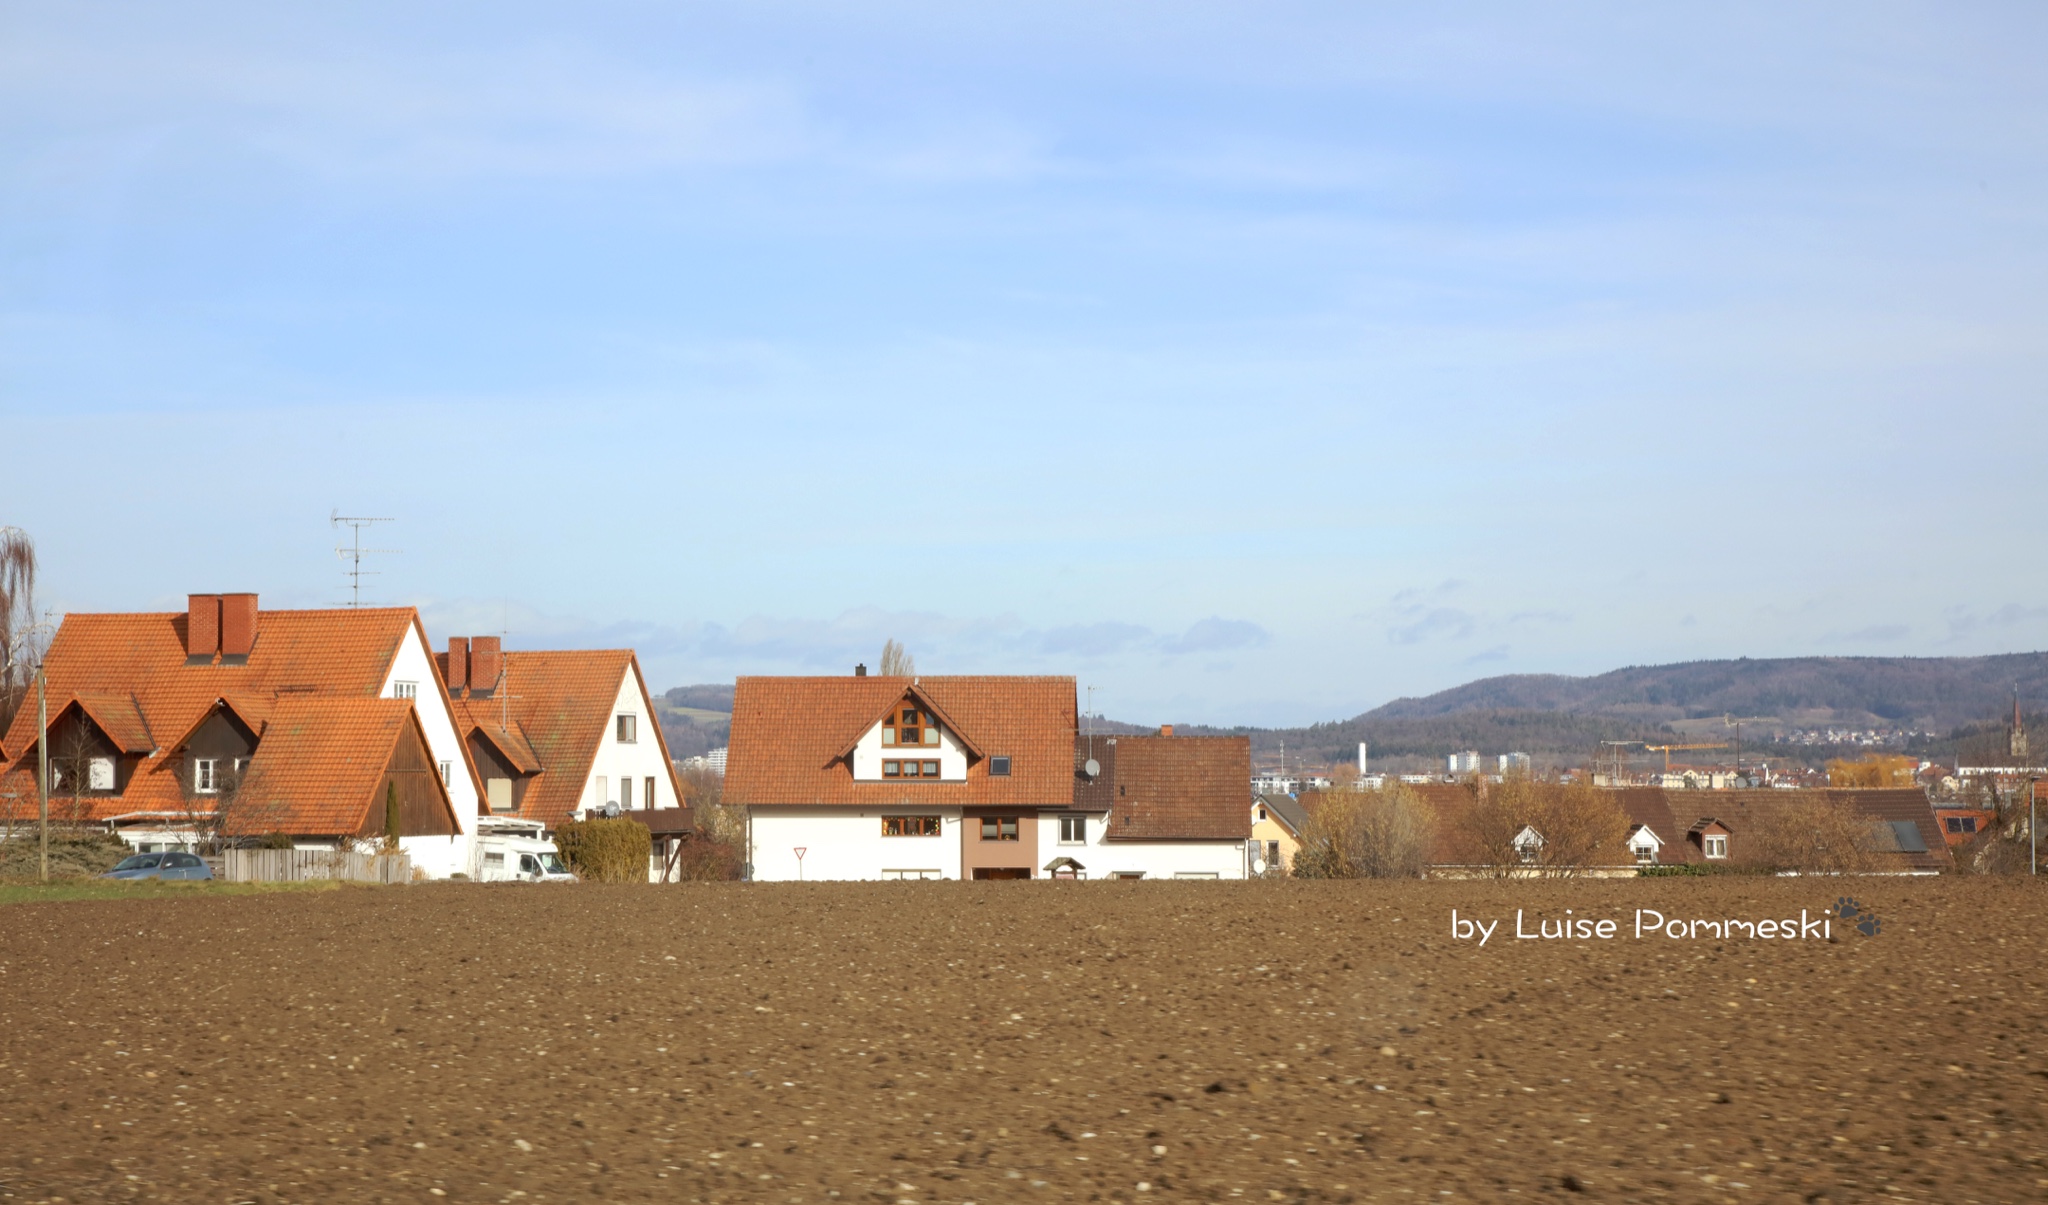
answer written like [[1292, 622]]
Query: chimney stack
[[202, 625], [861, 670], [485, 660], [237, 624], [1166, 730], [458, 663]]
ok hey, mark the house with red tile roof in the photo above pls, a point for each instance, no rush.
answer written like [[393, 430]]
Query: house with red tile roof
[[966, 777], [225, 718], [559, 734]]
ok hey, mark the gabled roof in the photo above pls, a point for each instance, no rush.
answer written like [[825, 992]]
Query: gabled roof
[[560, 701], [342, 652], [924, 700], [488, 718], [320, 767], [248, 710], [1167, 788], [1643, 830], [790, 737], [1706, 822], [1287, 810]]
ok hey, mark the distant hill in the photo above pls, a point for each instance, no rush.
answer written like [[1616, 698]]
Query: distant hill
[[1910, 692], [695, 719], [1962, 699]]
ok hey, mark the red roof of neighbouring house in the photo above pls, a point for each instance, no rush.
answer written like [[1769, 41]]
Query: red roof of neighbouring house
[[340, 653], [1168, 788], [790, 738], [319, 769]]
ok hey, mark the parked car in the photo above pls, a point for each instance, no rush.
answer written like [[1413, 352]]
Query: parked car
[[161, 866]]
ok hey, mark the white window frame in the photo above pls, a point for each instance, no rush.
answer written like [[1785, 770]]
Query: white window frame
[[447, 773], [1073, 823], [1715, 845], [405, 690], [626, 731], [97, 769], [206, 776]]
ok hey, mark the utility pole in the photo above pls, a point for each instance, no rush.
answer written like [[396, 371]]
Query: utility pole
[[43, 767], [2033, 842]]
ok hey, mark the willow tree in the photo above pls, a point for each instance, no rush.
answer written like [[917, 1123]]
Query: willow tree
[[18, 651]]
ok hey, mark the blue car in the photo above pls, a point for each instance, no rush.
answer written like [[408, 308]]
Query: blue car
[[161, 866]]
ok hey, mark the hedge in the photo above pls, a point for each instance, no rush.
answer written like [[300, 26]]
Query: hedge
[[606, 851]]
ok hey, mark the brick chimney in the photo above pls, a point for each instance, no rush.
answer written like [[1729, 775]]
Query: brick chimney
[[202, 625], [1166, 730], [485, 660], [861, 670], [458, 663], [237, 624]]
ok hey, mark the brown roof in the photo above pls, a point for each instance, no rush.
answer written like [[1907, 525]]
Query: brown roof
[[320, 767], [561, 702], [1673, 814], [1165, 788], [337, 653], [790, 736]]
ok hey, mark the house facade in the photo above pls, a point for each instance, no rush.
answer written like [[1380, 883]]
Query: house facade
[[559, 734], [1277, 823], [226, 720], [966, 777]]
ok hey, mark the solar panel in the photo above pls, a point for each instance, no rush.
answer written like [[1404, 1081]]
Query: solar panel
[[1908, 835]]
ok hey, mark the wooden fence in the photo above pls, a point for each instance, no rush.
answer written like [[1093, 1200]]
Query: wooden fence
[[296, 865]]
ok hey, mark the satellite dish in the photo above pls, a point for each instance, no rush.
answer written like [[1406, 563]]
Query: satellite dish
[[1258, 866], [1091, 768], [611, 811]]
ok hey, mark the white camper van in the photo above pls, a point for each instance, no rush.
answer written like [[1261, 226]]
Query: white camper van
[[515, 851]]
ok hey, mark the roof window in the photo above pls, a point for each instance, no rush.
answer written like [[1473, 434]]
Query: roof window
[[999, 767]]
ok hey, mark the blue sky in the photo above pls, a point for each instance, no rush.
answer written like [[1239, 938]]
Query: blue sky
[[1253, 362]]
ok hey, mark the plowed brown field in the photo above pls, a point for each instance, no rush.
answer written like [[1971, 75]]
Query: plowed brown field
[[1001, 1042]]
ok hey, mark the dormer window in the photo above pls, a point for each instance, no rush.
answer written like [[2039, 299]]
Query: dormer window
[[1716, 845], [909, 725]]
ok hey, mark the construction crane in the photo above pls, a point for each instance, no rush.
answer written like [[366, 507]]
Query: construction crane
[[1666, 751]]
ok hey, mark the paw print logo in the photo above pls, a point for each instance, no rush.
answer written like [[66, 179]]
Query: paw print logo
[[1865, 920]]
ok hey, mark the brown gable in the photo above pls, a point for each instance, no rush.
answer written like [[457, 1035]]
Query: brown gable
[[790, 737], [1168, 788], [487, 718]]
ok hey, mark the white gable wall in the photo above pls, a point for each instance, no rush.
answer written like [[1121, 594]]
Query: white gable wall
[[869, 754], [638, 760], [438, 856]]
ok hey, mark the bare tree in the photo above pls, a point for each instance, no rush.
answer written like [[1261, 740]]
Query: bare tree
[[1360, 834], [19, 643], [1523, 827], [896, 663], [1813, 832]]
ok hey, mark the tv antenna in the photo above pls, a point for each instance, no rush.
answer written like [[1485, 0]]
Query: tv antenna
[[355, 552]]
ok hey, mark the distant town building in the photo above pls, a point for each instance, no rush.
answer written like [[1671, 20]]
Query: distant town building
[[1514, 763], [1465, 762], [713, 761]]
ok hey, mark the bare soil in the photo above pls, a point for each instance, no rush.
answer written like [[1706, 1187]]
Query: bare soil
[[999, 1042]]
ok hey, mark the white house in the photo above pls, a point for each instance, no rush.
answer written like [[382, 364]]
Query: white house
[[866, 777], [559, 734]]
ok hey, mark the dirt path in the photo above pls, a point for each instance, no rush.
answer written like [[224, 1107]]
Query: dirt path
[[1022, 1042]]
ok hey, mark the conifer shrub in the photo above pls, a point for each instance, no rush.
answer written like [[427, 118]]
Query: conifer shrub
[[606, 851]]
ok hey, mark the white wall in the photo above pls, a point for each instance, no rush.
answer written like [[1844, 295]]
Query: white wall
[[1103, 859], [414, 663], [639, 760], [842, 843], [869, 754]]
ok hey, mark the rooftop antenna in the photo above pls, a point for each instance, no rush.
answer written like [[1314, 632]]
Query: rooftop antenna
[[355, 552]]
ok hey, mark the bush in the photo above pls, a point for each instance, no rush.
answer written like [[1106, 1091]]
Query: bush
[[1354, 834], [606, 851], [74, 853], [706, 859]]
